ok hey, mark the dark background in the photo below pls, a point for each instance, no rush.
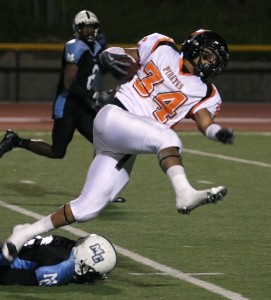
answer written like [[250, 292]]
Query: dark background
[[126, 21], [241, 22]]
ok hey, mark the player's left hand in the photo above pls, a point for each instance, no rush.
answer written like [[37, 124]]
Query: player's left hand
[[225, 136]]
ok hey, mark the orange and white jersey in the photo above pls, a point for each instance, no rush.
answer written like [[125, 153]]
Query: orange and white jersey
[[161, 90]]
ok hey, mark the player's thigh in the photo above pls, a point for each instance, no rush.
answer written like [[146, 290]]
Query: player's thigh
[[122, 132], [103, 183]]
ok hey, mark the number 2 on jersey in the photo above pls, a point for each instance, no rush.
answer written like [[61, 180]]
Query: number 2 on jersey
[[168, 102]]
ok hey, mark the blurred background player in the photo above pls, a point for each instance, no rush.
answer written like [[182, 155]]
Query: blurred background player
[[101, 39], [74, 106], [57, 260], [77, 101]]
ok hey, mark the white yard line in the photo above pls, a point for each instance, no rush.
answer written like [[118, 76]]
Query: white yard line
[[224, 157], [25, 119], [141, 259], [222, 119], [148, 262]]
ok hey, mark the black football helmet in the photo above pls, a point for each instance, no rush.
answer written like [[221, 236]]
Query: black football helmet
[[194, 47]]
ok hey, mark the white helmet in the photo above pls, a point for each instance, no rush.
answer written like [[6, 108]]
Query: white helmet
[[94, 256], [85, 17]]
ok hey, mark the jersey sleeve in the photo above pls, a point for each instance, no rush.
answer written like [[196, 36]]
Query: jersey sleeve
[[148, 44], [58, 274], [212, 103], [74, 50]]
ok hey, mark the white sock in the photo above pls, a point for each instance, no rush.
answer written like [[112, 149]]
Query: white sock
[[23, 233], [41, 226], [178, 179], [186, 195]]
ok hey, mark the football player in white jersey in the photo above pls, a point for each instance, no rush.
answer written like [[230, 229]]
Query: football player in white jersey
[[167, 87]]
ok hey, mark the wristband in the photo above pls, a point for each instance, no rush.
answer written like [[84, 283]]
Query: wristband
[[211, 131]]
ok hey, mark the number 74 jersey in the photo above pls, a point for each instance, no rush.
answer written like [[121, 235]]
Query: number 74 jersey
[[161, 90]]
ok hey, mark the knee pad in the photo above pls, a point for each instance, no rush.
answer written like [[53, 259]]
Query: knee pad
[[168, 138]]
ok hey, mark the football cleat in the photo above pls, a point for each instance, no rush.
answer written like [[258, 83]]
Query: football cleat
[[119, 199], [9, 251], [213, 195], [7, 142], [15, 242]]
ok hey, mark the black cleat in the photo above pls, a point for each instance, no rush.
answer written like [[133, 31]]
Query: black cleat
[[9, 251], [7, 144], [119, 199]]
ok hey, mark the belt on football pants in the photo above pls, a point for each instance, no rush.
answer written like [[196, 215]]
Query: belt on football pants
[[117, 102]]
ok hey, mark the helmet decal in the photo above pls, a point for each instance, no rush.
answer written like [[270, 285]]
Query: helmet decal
[[98, 253], [94, 254]]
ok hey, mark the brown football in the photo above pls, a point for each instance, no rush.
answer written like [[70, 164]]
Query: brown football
[[131, 71]]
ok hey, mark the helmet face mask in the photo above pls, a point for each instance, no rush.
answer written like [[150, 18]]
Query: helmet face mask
[[196, 46], [95, 257], [85, 26]]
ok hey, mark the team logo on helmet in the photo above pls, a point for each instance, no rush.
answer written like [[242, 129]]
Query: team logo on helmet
[[94, 254], [98, 251]]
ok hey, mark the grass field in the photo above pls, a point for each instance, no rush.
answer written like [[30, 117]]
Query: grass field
[[218, 252]]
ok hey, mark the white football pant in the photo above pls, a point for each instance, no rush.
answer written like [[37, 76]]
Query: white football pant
[[116, 133]]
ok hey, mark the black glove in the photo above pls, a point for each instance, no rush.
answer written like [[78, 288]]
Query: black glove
[[117, 64], [100, 99], [225, 135]]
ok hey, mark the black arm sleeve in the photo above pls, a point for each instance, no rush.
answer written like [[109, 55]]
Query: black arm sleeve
[[19, 277]]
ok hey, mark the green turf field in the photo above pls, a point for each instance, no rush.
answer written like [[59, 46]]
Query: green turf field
[[218, 252]]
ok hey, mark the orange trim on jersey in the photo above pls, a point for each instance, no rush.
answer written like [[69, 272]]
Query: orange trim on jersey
[[191, 113], [217, 111], [181, 68], [161, 40]]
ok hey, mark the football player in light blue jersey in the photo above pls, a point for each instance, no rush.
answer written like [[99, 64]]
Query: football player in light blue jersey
[[56, 260]]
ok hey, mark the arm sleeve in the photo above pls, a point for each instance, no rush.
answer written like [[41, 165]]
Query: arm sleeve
[[59, 274]]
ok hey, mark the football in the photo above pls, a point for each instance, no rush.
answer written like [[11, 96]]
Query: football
[[131, 71]]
